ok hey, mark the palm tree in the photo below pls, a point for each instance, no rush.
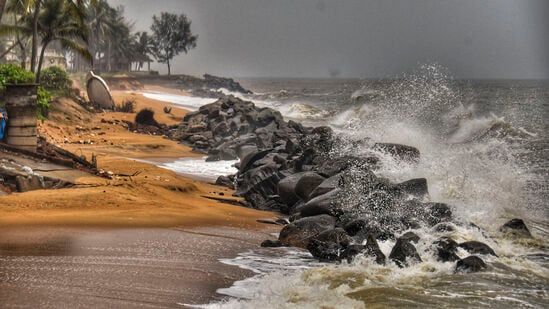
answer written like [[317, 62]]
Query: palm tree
[[58, 21], [143, 48]]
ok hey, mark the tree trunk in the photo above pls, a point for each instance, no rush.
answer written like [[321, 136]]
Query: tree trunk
[[35, 34], [149, 66], [169, 71], [2, 5], [109, 65], [40, 62]]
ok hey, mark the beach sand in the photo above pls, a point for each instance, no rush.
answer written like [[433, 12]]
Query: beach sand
[[149, 240]]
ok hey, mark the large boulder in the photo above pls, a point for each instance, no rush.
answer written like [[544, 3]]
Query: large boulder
[[306, 184], [446, 249], [258, 185], [401, 152], [300, 232], [333, 166], [470, 264], [414, 187], [328, 203], [286, 188], [326, 186], [437, 213], [517, 228], [371, 249], [477, 247], [404, 252], [329, 245]]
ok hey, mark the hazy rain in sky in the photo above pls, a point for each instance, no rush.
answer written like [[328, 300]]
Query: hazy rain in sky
[[358, 38]]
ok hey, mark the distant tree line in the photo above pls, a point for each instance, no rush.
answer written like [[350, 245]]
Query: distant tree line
[[90, 33]]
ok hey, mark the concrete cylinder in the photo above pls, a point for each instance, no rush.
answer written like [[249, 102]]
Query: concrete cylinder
[[22, 120]]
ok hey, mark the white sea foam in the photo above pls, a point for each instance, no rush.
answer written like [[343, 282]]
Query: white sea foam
[[200, 169], [186, 102]]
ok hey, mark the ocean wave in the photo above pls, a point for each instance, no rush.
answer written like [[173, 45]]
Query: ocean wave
[[186, 102]]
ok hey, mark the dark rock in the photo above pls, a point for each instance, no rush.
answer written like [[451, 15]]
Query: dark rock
[[403, 252], [438, 212], [329, 245], [477, 247], [372, 249], [271, 243], [286, 188], [306, 184], [444, 227], [333, 166], [328, 203], [352, 251], [470, 264], [517, 228], [411, 237], [326, 186], [401, 152], [374, 230], [258, 184], [416, 187], [217, 82], [352, 228], [446, 249], [299, 232], [225, 181], [250, 158]]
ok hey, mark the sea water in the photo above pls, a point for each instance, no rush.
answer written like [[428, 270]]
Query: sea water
[[484, 150]]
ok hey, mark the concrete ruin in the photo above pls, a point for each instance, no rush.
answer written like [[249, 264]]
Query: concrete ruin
[[21, 129]]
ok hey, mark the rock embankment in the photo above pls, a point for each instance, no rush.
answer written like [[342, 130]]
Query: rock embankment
[[338, 207]]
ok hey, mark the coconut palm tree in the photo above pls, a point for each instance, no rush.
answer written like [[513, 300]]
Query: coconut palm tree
[[35, 16], [144, 49], [60, 21]]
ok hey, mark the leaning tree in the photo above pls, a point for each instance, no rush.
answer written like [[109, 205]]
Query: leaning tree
[[171, 35]]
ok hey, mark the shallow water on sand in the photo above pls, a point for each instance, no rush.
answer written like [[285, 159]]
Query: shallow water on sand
[[53, 267]]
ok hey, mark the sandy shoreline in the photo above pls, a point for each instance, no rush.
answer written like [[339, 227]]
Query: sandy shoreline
[[76, 267], [155, 205]]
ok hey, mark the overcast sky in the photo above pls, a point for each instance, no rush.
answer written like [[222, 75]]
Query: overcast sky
[[359, 38]]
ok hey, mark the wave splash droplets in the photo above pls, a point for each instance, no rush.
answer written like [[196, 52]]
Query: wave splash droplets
[[472, 160]]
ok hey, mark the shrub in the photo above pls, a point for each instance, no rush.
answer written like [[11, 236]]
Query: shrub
[[145, 117], [13, 74], [43, 99], [127, 106], [55, 78]]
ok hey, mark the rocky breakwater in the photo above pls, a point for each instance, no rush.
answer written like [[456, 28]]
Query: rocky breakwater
[[337, 206]]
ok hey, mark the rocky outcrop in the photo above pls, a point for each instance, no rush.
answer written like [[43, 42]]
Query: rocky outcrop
[[223, 82], [516, 227], [339, 207], [470, 264]]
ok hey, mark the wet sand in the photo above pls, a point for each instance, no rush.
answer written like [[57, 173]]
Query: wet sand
[[149, 240], [60, 267]]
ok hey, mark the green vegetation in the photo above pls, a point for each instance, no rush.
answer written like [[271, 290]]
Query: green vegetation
[[127, 106], [171, 35], [56, 80], [146, 117], [43, 99], [13, 74], [92, 33]]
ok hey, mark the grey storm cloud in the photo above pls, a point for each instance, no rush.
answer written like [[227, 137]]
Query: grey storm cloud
[[358, 38]]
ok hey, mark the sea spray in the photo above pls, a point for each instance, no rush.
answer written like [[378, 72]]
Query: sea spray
[[472, 160]]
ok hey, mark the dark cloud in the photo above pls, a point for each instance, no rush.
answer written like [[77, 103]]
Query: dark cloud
[[361, 38]]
